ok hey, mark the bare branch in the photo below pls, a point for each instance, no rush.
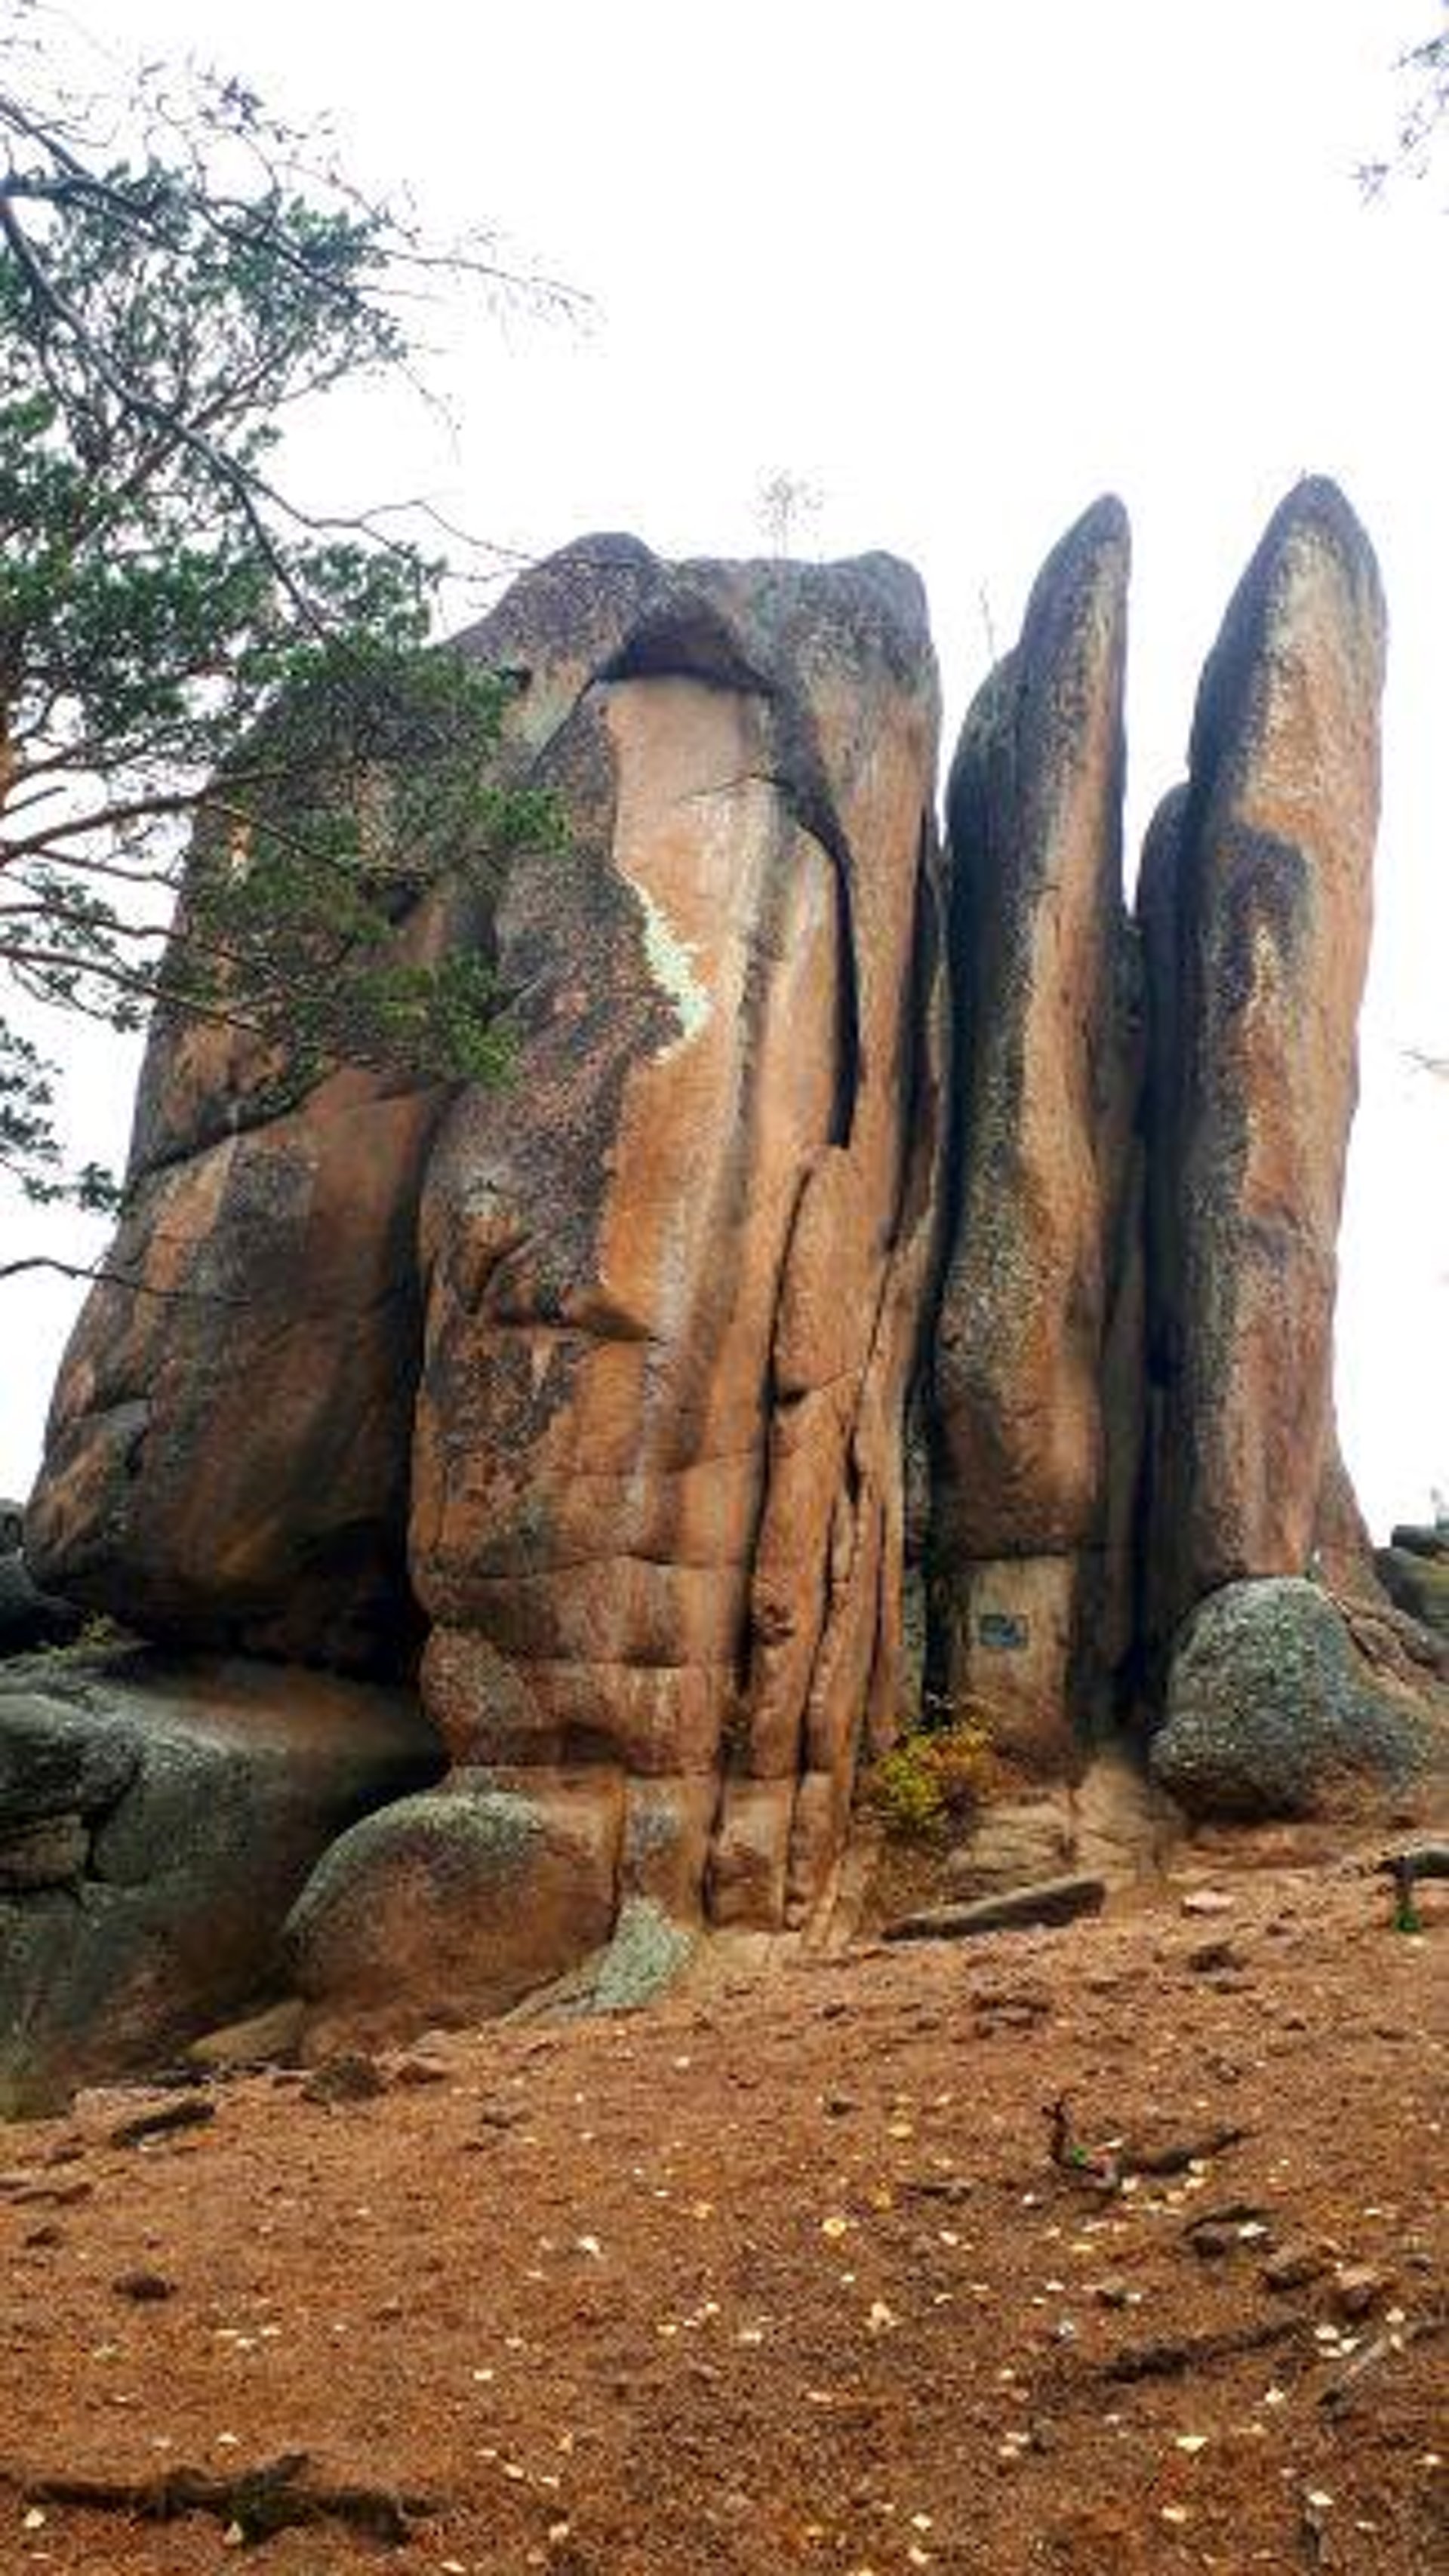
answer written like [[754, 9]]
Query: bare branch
[[111, 1278]]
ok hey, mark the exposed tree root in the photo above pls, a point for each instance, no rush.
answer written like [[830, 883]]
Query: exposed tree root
[[1342, 2392], [275, 2496], [1176, 2155]]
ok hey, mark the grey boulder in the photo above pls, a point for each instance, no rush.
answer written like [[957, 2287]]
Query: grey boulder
[[1415, 1576], [30, 1617], [62, 1755], [156, 1823], [1271, 1711], [454, 1905]]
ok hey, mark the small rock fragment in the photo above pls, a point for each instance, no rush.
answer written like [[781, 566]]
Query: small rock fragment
[[1294, 2265], [191, 2111], [417, 2069], [500, 2114], [348, 2077], [143, 2286], [1357, 2287], [1210, 2242]]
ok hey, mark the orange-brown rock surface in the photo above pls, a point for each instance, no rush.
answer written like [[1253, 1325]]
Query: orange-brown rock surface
[[227, 1453], [1042, 1106], [674, 1271], [1258, 906], [228, 1458]]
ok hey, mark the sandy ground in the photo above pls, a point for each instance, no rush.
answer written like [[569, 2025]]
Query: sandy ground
[[787, 2278]]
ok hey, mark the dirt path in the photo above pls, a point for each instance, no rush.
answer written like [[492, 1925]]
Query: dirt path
[[788, 2279]]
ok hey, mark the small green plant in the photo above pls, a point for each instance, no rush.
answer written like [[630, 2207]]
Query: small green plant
[[1407, 1917], [929, 1784], [100, 1639]]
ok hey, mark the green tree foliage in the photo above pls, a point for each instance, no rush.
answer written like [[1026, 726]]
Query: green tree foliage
[[186, 656]]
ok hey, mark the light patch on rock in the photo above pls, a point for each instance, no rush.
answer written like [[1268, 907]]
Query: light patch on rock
[[671, 962]]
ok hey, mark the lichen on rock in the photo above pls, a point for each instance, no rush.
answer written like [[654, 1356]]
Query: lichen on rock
[[1272, 1712]]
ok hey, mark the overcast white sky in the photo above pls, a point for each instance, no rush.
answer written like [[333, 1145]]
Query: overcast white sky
[[960, 267]]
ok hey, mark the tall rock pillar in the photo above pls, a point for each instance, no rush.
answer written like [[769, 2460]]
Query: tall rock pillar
[[1041, 1116], [1256, 905]]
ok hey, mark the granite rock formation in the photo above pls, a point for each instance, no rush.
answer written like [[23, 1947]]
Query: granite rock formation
[[1043, 1099], [227, 1455], [834, 1169], [596, 1379], [1259, 909]]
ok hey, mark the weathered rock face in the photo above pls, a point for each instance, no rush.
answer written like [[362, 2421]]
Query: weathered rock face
[[157, 1820], [229, 1450], [1257, 937], [227, 1455], [1043, 1100], [1343, 1552], [674, 1272]]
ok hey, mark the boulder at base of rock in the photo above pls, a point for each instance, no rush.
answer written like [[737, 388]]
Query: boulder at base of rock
[[453, 1905], [1271, 1712], [1115, 1825], [1416, 1578], [156, 1822], [266, 2038], [30, 1617]]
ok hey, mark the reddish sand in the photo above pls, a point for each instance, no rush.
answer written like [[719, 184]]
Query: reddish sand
[[787, 2279]]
